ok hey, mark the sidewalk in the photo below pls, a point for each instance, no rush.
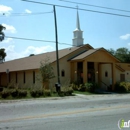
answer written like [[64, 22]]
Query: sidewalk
[[104, 96]]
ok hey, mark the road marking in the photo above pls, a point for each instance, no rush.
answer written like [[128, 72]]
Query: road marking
[[64, 113]]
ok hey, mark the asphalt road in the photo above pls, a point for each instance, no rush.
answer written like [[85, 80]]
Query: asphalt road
[[94, 112]]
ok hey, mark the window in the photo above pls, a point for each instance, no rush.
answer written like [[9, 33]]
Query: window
[[62, 73], [24, 78], [16, 77], [122, 77], [34, 77], [106, 74]]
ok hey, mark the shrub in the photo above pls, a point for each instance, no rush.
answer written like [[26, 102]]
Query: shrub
[[22, 93], [40, 93], [36, 93], [14, 93], [128, 88], [33, 93], [47, 93], [5, 93], [74, 86], [120, 87], [1, 89], [82, 88], [126, 85], [66, 92], [89, 87], [70, 91]]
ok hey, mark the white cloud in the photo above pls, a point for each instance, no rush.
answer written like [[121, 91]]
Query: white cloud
[[9, 28], [28, 11], [125, 37], [10, 48], [8, 40], [37, 50], [13, 54], [5, 9]]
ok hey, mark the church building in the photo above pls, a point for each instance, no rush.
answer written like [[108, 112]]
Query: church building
[[82, 63]]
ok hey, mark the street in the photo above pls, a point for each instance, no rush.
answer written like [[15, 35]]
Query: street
[[91, 112]]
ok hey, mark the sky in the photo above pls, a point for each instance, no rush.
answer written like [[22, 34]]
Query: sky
[[36, 21]]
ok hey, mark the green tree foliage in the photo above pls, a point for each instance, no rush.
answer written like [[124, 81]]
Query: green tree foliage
[[2, 35], [112, 51], [2, 53], [123, 54], [46, 71], [31, 55]]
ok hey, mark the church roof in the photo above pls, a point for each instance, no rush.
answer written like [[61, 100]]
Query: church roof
[[85, 54], [33, 62], [90, 52]]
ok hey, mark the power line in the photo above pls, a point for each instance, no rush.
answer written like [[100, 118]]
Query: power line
[[26, 14], [38, 40], [29, 39], [95, 6], [94, 11]]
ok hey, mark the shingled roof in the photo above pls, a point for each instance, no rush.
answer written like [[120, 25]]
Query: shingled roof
[[90, 52], [85, 54], [33, 62]]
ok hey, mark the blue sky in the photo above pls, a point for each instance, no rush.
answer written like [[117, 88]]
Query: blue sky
[[99, 30]]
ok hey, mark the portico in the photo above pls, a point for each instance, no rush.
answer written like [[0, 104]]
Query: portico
[[94, 66]]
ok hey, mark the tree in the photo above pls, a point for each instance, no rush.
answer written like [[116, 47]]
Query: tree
[[31, 55], [112, 51], [46, 72], [2, 54], [2, 35], [123, 54]]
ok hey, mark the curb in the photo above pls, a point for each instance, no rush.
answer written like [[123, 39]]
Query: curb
[[66, 97]]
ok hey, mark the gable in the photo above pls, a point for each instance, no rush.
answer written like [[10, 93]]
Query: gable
[[79, 51], [101, 55], [97, 55]]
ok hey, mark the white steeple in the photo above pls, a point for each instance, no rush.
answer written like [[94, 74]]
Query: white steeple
[[78, 39], [77, 22]]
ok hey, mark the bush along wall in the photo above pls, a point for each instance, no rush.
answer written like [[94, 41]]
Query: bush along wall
[[16, 93], [5, 93], [89, 87], [36, 93], [122, 87], [13, 93]]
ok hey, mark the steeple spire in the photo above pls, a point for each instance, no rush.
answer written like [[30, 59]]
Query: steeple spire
[[78, 36], [77, 22]]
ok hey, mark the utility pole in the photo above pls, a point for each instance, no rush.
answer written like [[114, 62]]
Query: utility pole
[[57, 56]]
